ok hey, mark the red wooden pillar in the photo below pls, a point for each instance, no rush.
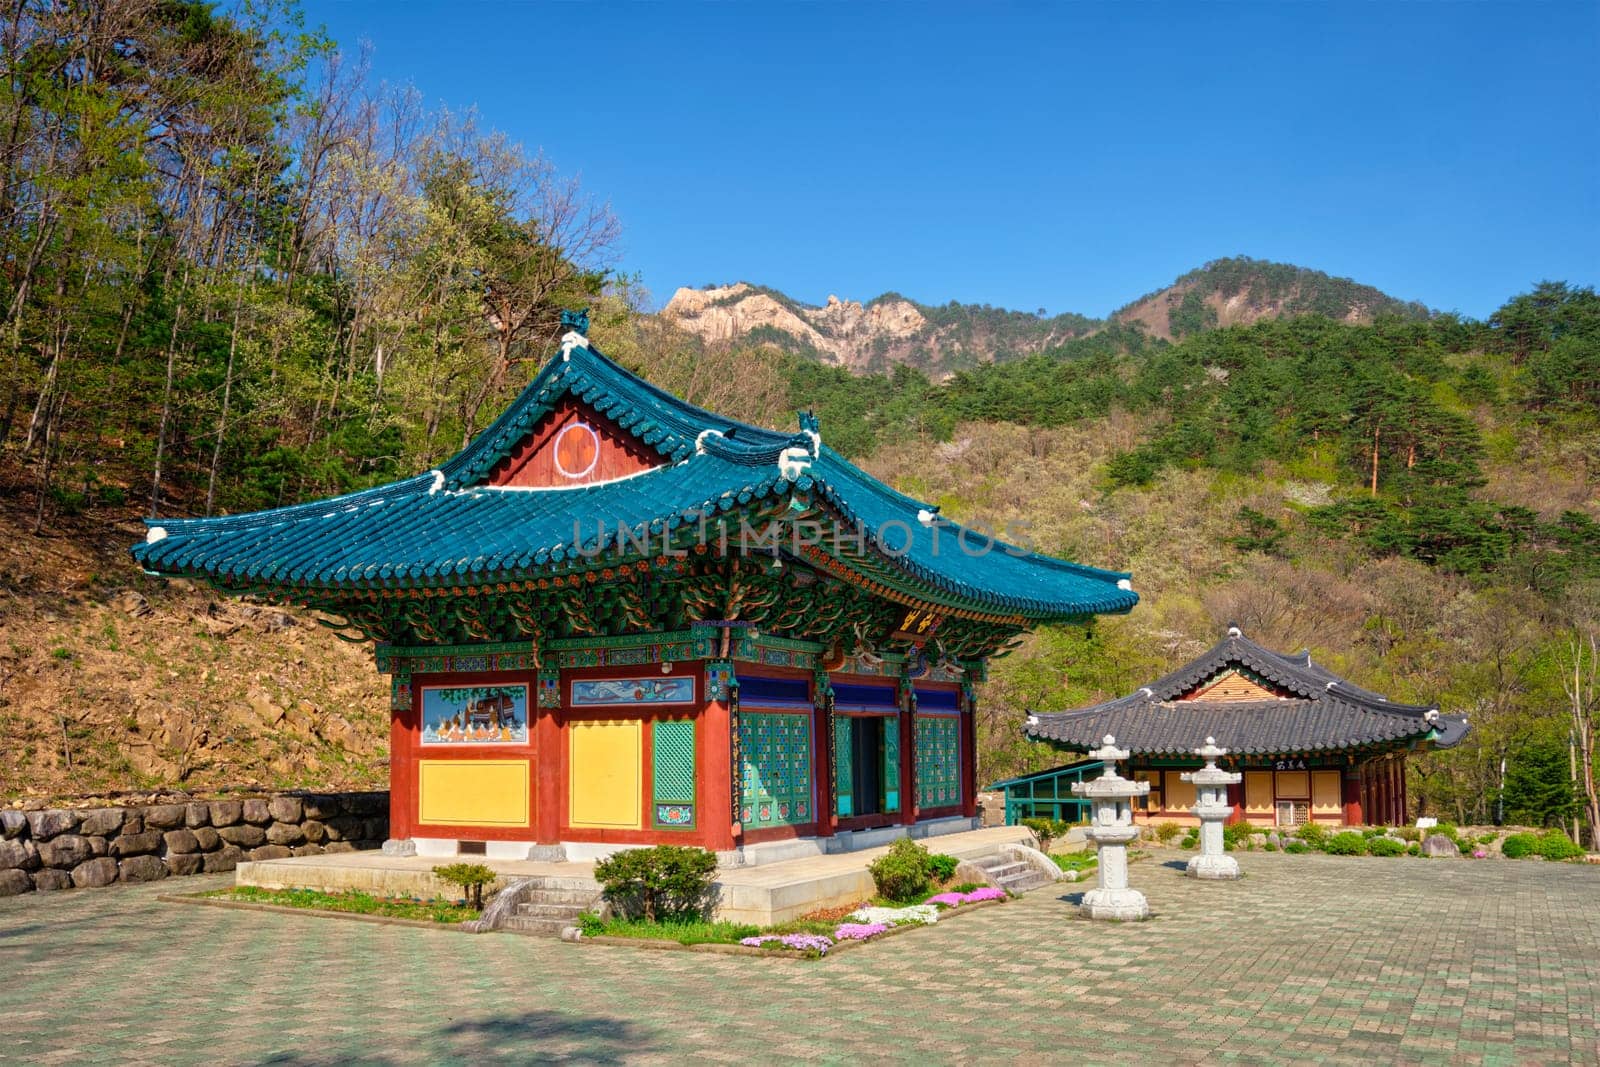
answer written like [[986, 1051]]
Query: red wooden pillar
[[821, 765], [1351, 795], [548, 756], [1236, 802], [967, 752], [908, 762], [716, 775], [402, 769]]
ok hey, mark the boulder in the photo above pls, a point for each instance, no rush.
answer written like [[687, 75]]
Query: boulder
[[196, 815], [99, 846], [133, 823], [18, 854], [367, 804], [338, 846], [257, 812], [308, 850], [91, 874], [43, 825], [13, 882], [207, 838], [344, 828], [13, 824], [65, 851], [180, 841], [224, 859], [1439, 845], [165, 816], [136, 844], [102, 822], [270, 852], [285, 833], [286, 809], [143, 869], [50, 879], [225, 812], [321, 806], [189, 863], [243, 836], [314, 831]]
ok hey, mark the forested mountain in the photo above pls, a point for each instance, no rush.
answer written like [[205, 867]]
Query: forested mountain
[[236, 274], [892, 330]]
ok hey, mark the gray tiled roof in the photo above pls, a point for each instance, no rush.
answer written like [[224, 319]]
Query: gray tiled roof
[[1325, 713]]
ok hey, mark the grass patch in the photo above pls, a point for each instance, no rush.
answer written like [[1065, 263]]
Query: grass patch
[[693, 932], [354, 902], [1075, 861]]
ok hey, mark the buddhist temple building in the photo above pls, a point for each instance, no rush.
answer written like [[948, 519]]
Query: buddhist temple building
[[1312, 746], [617, 619]]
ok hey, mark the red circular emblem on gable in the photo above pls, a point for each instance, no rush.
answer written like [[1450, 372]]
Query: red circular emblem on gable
[[577, 450]]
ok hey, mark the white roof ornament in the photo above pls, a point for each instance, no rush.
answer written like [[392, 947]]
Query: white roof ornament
[[1234, 631], [1033, 720], [793, 462], [438, 482], [155, 533], [1124, 585], [926, 515], [1148, 693], [1431, 715], [700, 440], [576, 323]]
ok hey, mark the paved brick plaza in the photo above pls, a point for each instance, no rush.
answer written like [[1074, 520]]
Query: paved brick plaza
[[1310, 957]]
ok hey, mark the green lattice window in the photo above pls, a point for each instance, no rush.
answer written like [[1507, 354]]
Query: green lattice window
[[776, 779], [672, 774], [891, 765], [842, 763], [938, 761]]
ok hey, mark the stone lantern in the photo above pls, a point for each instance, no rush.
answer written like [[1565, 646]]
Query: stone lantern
[[1212, 809], [1111, 827]]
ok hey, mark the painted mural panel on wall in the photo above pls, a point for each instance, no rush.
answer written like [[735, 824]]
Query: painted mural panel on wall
[[612, 692], [777, 770], [475, 715], [938, 763]]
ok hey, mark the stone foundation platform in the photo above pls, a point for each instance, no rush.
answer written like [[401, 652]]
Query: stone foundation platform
[[762, 892]]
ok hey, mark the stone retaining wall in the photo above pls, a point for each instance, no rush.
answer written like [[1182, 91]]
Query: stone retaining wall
[[65, 848]]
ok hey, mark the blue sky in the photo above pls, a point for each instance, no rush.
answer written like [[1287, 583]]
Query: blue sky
[[1062, 156]]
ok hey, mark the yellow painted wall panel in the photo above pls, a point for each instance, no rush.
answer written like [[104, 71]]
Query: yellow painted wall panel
[[605, 769], [1180, 794], [473, 792], [1326, 798], [1258, 793], [1295, 785]]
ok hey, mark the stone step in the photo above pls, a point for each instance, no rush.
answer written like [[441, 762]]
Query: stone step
[[583, 898], [1004, 869], [546, 927], [551, 911], [1027, 882]]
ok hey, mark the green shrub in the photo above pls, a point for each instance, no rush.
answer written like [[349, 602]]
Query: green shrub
[[1372, 831], [1295, 848], [1269, 847], [659, 883], [1448, 829], [1345, 843], [1520, 846], [1047, 830], [1166, 831], [1465, 846], [1236, 835], [1556, 845], [904, 872], [1312, 834], [471, 877], [1386, 846], [1489, 838], [591, 924], [942, 867], [1409, 833], [1190, 840], [1414, 849]]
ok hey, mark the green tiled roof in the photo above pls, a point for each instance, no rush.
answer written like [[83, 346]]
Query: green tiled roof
[[448, 528]]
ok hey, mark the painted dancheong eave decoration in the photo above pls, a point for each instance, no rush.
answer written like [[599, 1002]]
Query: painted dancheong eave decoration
[[1308, 736], [572, 607]]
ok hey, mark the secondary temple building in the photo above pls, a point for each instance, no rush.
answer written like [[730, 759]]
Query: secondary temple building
[[1312, 746], [618, 619]]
